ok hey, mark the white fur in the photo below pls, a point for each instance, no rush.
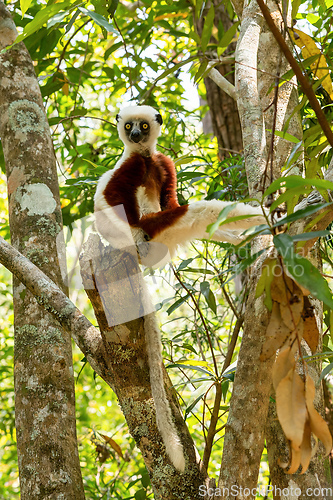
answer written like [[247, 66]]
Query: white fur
[[146, 206], [137, 113], [192, 225], [164, 420]]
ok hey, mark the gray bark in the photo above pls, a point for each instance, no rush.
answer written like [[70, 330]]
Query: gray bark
[[114, 284], [44, 387], [245, 432], [118, 355]]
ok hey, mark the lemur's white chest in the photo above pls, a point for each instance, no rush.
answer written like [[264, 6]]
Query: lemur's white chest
[[147, 204]]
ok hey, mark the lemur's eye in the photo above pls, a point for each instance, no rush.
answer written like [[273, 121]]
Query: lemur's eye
[[145, 126], [128, 126]]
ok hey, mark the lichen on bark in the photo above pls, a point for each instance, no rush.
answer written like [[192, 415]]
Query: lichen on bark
[[44, 388]]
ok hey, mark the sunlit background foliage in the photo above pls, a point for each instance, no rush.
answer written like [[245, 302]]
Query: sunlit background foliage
[[88, 66]]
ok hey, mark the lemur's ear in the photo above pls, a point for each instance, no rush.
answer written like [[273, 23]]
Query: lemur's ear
[[158, 118], [117, 118]]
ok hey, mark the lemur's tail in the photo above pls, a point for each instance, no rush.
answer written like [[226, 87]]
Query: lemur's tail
[[165, 424]]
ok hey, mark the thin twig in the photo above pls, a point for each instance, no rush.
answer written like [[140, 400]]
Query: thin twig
[[62, 55], [232, 343], [212, 425]]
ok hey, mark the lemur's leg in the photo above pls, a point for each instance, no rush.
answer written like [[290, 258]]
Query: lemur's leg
[[112, 224]]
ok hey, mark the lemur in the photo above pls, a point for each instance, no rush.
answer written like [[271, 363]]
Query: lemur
[[136, 203]]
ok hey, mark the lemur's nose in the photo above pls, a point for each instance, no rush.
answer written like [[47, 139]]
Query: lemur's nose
[[136, 135]]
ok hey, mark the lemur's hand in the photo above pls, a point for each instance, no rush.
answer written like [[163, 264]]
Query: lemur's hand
[[142, 244]]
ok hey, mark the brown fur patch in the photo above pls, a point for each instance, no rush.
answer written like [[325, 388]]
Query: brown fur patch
[[158, 175]]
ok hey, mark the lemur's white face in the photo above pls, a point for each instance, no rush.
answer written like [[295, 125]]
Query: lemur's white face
[[139, 128]]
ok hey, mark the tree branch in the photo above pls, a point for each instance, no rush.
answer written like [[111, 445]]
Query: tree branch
[[49, 295], [248, 99], [222, 82], [117, 355]]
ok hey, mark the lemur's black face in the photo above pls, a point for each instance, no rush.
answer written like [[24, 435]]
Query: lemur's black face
[[137, 131]]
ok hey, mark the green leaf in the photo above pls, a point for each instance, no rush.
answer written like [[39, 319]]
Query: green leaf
[[294, 154], [201, 70], [42, 17], [112, 7], [54, 83], [208, 294], [229, 374], [290, 196], [293, 181], [295, 6], [58, 18], [189, 347], [261, 282], [283, 243], [72, 21], [228, 36], [182, 160], [244, 264], [174, 69], [177, 304], [222, 217], [193, 404], [311, 235], [301, 214], [198, 366], [184, 264], [213, 227], [288, 137], [100, 20], [265, 281], [25, 4], [195, 37], [198, 8], [208, 27], [140, 495], [326, 371]]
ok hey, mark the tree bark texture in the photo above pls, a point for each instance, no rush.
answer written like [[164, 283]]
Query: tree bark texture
[[118, 356], [115, 286], [49, 465], [317, 477], [245, 432], [248, 99], [271, 66]]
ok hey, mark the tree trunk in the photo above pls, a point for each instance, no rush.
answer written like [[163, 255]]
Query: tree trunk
[[44, 387], [245, 431], [224, 118], [117, 354]]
